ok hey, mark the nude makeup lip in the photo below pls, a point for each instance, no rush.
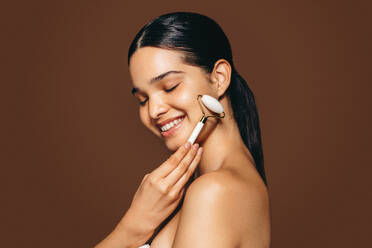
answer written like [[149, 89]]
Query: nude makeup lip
[[173, 129]]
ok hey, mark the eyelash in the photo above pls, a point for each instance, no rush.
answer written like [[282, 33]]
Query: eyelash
[[167, 90]]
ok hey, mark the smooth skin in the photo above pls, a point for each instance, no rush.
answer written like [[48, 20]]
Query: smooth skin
[[227, 205]]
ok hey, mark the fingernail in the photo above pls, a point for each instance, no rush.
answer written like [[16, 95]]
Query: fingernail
[[187, 145], [200, 150], [195, 146]]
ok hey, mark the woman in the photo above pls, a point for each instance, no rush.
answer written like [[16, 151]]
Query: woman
[[224, 203]]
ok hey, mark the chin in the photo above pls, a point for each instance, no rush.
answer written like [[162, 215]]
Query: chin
[[176, 141], [173, 145]]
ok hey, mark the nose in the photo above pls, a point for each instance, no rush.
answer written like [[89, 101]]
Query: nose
[[157, 107]]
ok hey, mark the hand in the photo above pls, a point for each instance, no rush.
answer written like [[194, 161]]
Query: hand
[[161, 190]]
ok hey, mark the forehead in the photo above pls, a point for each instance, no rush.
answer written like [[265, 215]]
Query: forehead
[[148, 62]]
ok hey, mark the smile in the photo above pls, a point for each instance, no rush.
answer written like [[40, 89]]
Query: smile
[[169, 129]]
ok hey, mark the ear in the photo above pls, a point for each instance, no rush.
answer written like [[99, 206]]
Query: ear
[[221, 77]]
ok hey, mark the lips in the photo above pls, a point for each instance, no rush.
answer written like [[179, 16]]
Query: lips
[[160, 124], [170, 132]]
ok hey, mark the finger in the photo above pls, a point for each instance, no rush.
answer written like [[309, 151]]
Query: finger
[[177, 199], [186, 176], [172, 162], [180, 195], [182, 167]]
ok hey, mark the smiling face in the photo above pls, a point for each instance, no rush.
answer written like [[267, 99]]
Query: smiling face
[[167, 88]]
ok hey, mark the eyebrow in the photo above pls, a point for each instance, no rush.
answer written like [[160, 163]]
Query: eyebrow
[[157, 78]]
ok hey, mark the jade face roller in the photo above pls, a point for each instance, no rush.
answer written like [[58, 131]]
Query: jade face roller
[[212, 104]]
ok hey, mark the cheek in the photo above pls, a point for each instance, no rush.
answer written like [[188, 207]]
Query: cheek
[[184, 100], [186, 97], [188, 104]]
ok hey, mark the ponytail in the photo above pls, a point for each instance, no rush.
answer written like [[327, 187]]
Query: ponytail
[[203, 42], [246, 116]]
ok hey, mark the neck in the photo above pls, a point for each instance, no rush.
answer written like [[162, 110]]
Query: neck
[[221, 146]]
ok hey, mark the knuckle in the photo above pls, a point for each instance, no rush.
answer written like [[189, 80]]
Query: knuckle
[[184, 164], [152, 180], [192, 153], [171, 159], [164, 189], [187, 161], [172, 195], [176, 156], [145, 176], [180, 153], [171, 163]]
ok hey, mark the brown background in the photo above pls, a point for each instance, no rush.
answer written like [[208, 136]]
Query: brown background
[[74, 150]]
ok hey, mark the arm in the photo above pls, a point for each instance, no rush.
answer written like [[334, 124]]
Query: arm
[[156, 198], [218, 212], [123, 236]]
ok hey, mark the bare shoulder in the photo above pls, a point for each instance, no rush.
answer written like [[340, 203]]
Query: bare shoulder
[[225, 206], [227, 184]]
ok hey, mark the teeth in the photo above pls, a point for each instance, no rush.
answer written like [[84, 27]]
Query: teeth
[[171, 124]]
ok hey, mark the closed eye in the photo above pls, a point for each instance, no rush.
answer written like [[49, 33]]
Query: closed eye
[[143, 102], [169, 90], [166, 90]]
